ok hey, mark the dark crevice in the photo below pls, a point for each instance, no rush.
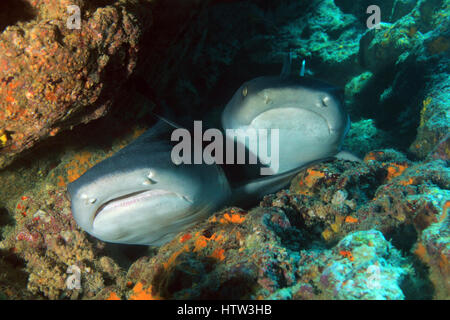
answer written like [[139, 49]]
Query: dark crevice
[[235, 288], [403, 237], [12, 273], [418, 286], [387, 99], [93, 5], [13, 11], [124, 254], [5, 219]]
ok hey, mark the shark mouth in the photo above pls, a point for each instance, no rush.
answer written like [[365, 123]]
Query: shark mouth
[[140, 216], [129, 199], [290, 118]]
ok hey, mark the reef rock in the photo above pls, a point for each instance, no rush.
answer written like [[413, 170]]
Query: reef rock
[[55, 257], [343, 230], [435, 111], [325, 238], [53, 77]]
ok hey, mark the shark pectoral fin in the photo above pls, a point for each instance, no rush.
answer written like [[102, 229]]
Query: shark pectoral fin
[[346, 155], [167, 114], [248, 193]]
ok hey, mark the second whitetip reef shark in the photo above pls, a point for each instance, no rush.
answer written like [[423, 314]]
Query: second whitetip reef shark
[[139, 196]]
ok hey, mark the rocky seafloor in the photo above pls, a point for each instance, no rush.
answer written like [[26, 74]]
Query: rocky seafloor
[[376, 229]]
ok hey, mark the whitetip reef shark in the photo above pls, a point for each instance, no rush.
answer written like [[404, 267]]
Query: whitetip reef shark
[[139, 196], [310, 119]]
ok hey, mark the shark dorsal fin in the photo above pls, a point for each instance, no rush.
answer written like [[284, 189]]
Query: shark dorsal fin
[[287, 66], [287, 63], [303, 69], [164, 115]]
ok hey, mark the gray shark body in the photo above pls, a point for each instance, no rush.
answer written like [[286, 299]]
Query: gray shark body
[[308, 115], [139, 196]]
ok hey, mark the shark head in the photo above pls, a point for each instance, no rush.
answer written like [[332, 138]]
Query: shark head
[[308, 113], [139, 196]]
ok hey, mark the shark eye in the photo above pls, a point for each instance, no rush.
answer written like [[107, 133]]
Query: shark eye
[[325, 101], [245, 91], [149, 179]]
